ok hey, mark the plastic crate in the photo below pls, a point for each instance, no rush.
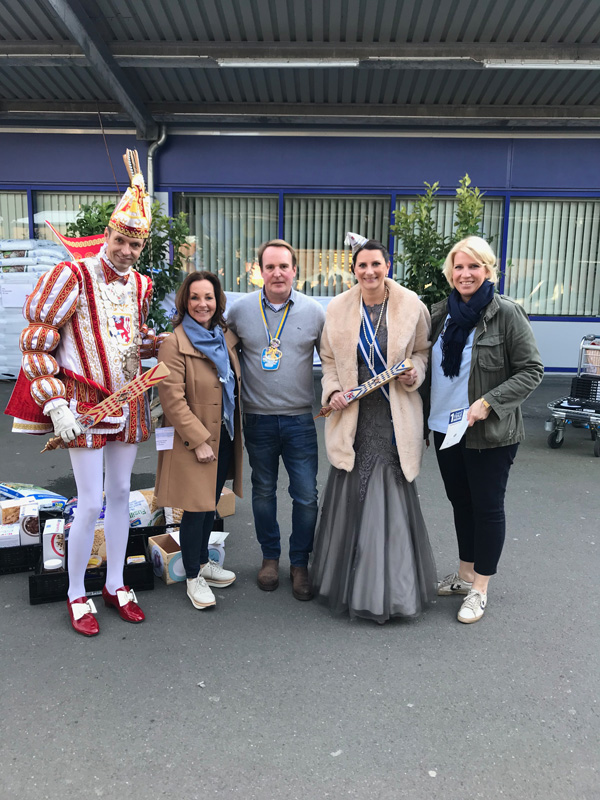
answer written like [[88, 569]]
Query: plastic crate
[[19, 559], [586, 387], [50, 587]]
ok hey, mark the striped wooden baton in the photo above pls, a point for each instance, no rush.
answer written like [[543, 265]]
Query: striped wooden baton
[[114, 403], [371, 385]]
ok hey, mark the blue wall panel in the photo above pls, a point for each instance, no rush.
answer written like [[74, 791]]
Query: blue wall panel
[[547, 164], [329, 163], [58, 159]]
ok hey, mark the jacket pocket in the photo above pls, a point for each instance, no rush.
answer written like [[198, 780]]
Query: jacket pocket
[[490, 352], [497, 431]]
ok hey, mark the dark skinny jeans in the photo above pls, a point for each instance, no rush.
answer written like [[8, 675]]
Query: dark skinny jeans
[[196, 526], [475, 482]]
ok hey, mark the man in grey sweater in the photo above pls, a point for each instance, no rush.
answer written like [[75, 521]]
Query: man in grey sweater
[[278, 330]]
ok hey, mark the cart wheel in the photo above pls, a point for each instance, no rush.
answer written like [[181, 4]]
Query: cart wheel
[[597, 448], [555, 441]]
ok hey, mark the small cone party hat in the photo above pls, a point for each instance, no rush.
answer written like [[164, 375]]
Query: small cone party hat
[[355, 240], [132, 216]]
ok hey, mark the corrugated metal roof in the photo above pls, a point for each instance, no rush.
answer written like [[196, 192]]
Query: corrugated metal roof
[[150, 60]]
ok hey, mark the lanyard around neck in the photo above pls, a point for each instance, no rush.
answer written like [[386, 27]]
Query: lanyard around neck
[[281, 324]]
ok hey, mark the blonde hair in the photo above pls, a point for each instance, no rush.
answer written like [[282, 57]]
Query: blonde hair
[[477, 249]]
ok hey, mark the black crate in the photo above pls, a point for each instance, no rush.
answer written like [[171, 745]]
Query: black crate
[[19, 559], [586, 387], [49, 587]]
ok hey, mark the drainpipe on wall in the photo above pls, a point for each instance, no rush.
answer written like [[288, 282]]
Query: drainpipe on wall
[[151, 152]]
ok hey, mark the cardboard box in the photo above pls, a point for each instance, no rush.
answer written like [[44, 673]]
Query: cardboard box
[[29, 524], [164, 553], [9, 535], [11, 509], [53, 540], [226, 505], [165, 556]]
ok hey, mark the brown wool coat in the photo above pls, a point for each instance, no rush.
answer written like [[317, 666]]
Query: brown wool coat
[[408, 337], [191, 398]]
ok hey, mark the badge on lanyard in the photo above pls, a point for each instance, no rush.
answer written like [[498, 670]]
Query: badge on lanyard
[[271, 355]]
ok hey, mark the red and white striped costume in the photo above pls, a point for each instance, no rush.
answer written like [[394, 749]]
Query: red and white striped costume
[[82, 344]]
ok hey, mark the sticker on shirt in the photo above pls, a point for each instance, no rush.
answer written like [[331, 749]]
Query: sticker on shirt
[[457, 425], [120, 326]]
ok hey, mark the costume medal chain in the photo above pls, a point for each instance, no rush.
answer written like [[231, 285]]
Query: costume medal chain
[[372, 342], [271, 355]]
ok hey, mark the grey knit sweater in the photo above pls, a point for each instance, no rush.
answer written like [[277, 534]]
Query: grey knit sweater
[[288, 390]]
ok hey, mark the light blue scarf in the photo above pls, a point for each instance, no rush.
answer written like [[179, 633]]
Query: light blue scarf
[[212, 344]]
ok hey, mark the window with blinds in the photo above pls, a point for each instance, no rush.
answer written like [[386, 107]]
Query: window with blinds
[[60, 208], [316, 226], [552, 256], [444, 216], [14, 219], [225, 233]]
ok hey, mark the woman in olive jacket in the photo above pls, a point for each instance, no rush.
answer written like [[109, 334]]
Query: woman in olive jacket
[[485, 360]]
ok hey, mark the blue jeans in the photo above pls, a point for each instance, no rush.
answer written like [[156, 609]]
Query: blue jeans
[[269, 437]]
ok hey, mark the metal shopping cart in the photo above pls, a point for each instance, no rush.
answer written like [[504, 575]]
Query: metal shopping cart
[[582, 407]]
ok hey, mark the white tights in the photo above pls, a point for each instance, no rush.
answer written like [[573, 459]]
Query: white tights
[[87, 470]]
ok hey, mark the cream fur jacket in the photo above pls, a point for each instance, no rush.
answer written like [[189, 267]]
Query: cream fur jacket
[[408, 326]]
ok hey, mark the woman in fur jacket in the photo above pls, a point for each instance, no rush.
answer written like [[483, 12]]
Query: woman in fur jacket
[[372, 556]]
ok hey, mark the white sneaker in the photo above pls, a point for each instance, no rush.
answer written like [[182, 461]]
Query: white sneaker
[[215, 575], [199, 593], [473, 607], [452, 584]]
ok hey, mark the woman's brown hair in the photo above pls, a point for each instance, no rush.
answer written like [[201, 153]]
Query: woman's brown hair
[[183, 296]]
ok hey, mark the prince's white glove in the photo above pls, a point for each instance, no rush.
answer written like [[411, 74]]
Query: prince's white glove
[[65, 423]]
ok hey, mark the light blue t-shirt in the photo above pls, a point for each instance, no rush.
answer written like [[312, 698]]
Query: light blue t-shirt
[[448, 393]]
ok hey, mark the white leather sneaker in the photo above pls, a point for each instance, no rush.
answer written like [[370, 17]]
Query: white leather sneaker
[[473, 607], [215, 575], [452, 584], [199, 593]]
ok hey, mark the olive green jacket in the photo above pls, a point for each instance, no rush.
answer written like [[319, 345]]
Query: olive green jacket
[[505, 369]]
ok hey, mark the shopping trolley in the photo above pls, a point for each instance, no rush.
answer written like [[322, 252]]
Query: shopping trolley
[[582, 407]]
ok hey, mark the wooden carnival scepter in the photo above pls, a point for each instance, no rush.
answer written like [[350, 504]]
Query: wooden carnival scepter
[[116, 401], [371, 385]]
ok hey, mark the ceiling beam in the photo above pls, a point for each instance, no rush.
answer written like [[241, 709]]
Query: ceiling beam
[[205, 54], [112, 76], [328, 110]]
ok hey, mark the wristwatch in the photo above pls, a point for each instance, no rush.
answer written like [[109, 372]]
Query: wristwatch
[[485, 402]]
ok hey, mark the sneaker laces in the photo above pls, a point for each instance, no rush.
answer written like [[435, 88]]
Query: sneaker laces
[[216, 567], [473, 600]]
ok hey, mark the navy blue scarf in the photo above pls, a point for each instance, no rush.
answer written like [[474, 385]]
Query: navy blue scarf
[[211, 343], [463, 318]]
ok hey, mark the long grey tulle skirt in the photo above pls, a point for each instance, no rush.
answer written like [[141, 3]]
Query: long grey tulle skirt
[[372, 558]]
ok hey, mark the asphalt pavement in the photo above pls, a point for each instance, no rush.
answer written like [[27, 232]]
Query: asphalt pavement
[[269, 698]]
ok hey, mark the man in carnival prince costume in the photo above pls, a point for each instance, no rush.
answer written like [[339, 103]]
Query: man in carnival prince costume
[[83, 342]]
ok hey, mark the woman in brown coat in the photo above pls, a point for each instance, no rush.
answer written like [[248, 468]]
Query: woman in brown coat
[[200, 399]]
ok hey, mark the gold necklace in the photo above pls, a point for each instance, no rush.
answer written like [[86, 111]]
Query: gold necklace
[[364, 327]]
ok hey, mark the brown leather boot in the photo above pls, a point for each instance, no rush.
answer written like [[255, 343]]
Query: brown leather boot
[[268, 575], [301, 588]]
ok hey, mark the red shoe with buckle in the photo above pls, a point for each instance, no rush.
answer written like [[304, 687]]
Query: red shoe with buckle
[[125, 601], [82, 612]]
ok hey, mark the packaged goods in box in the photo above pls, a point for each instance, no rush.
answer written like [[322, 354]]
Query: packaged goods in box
[[9, 535], [216, 546], [29, 524], [45, 499], [53, 540], [10, 510]]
